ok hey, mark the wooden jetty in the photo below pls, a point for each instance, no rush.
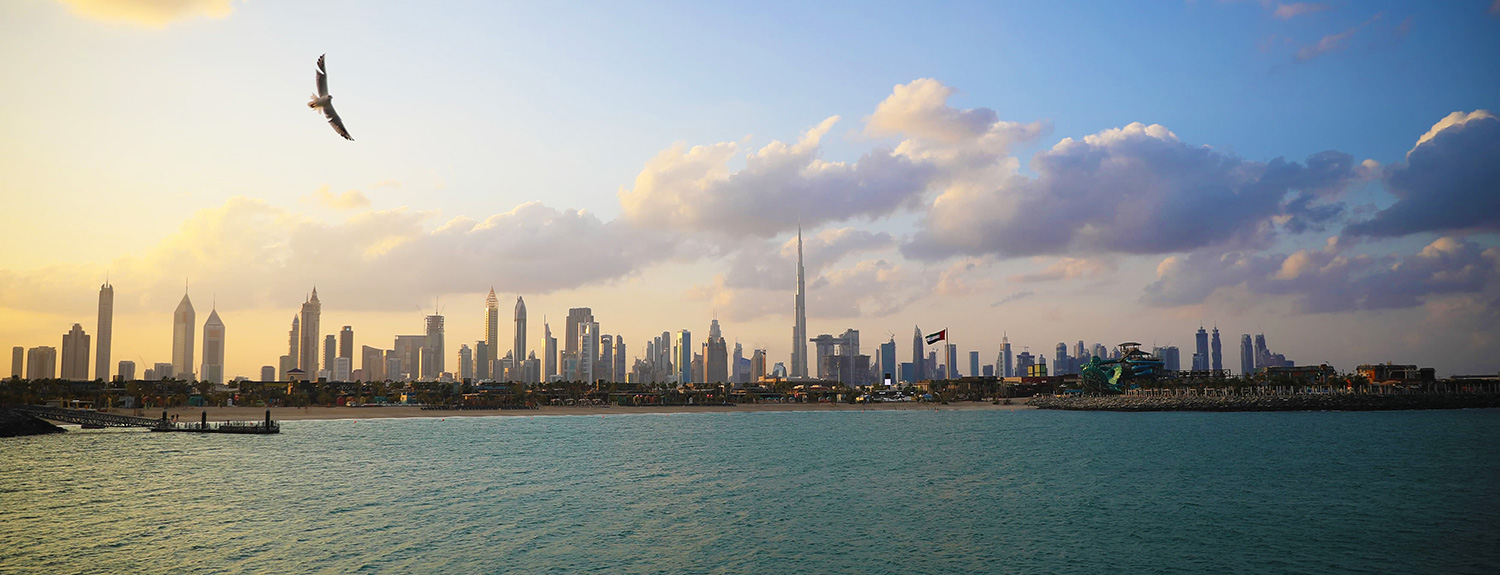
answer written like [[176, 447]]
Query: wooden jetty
[[96, 419]]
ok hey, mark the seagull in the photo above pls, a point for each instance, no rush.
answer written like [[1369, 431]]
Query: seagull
[[324, 102]]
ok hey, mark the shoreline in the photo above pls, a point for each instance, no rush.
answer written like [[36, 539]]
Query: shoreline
[[240, 413], [1248, 403]]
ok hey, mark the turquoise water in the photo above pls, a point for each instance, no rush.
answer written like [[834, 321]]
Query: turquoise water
[[823, 492]]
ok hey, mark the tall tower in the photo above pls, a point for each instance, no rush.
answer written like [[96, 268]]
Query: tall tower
[[799, 329], [682, 357], [520, 342], [105, 331], [576, 317], [918, 363], [183, 321], [549, 363], [1200, 351], [491, 337], [346, 342], [1006, 355], [307, 349], [75, 354], [213, 348], [294, 343], [1217, 354], [432, 348], [1247, 355]]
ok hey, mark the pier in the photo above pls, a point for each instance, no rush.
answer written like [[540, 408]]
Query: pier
[[96, 419]]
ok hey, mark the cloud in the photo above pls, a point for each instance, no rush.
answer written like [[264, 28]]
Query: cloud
[[1133, 190], [260, 256], [869, 288], [1067, 269], [768, 266], [1330, 280], [692, 189], [350, 200], [1295, 9], [1339, 41], [1449, 182], [1012, 297], [1495, 8], [153, 13]]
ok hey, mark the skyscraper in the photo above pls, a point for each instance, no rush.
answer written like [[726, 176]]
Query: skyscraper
[[1247, 355], [888, 365], [549, 363], [1006, 355], [682, 357], [576, 317], [330, 352], [346, 342], [17, 361], [105, 331], [1200, 353], [619, 358], [799, 329], [918, 364], [294, 346], [213, 348], [606, 370], [75, 355], [183, 326], [973, 364], [41, 362], [307, 349], [757, 365], [1060, 360], [372, 361], [588, 350], [126, 370], [465, 362], [519, 353], [951, 360], [433, 349], [715, 356], [1262, 352], [1216, 355], [491, 338]]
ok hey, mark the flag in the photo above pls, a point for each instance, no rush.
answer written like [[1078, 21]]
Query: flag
[[937, 337]]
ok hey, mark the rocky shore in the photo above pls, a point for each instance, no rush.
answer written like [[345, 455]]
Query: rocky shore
[[13, 424], [1297, 402]]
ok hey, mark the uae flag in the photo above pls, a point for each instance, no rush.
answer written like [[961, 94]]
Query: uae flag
[[937, 337]]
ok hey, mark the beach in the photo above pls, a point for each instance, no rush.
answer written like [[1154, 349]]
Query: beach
[[220, 414]]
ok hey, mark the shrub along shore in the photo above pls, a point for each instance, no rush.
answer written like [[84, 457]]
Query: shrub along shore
[[1291, 402]]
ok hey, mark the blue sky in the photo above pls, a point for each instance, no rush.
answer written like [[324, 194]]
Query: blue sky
[[137, 126]]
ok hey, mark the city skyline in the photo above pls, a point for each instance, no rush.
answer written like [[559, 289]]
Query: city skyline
[[1291, 192]]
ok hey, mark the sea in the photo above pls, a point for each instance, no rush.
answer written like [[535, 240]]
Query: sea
[[901, 492]]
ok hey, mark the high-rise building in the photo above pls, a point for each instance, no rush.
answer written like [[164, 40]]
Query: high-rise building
[[1023, 361], [41, 362], [619, 358], [682, 357], [105, 331], [294, 345], [433, 348], [346, 342], [407, 349], [1005, 355], [330, 351], [888, 366], [268, 373], [1247, 355], [17, 361], [606, 370], [952, 361], [126, 371], [549, 363], [576, 318], [213, 348], [715, 356], [519, 353], [1171, 358], [1262, 352], [491, 338], [918, 364], [465, 362], [393, 366], [1216, 355], [343, 368], [757, 365], [1200, 353], [307, 349], [75, 355], [799, 328], [1060, 360], [372, 362], [183, 324], [973, 364], [588, 348]]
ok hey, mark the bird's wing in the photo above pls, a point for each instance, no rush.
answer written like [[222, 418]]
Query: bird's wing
[[322, 79], [336, 122]]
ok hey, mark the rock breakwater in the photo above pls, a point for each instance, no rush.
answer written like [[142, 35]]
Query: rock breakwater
[[1294, 402], [14, 424]]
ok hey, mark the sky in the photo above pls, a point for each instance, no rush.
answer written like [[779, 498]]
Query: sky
[[1325, 173]]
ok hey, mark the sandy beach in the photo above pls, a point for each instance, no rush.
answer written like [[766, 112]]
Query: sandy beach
[[312, 413]]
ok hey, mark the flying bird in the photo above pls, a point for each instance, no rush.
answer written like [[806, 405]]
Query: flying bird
[[324, 102]]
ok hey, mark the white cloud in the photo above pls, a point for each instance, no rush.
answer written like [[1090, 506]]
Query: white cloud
[[154, 13]]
